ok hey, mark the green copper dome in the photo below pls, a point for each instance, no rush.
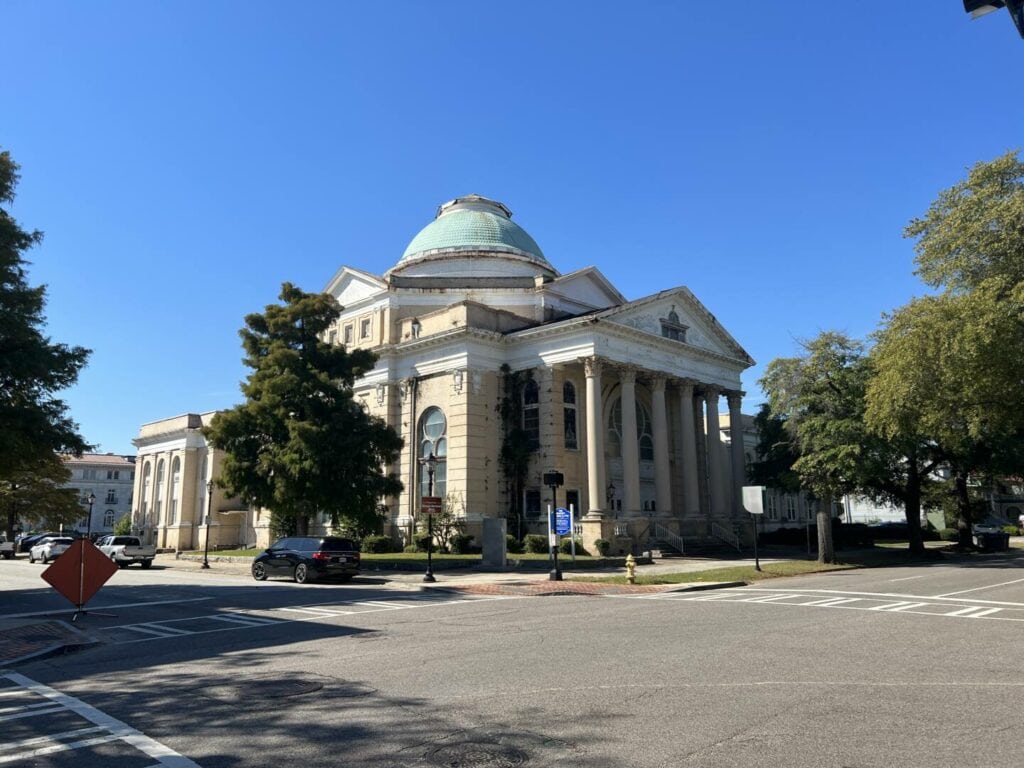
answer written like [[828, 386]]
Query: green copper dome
[[473, 224]]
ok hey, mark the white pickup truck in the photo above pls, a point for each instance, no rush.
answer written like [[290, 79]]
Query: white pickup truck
[[125, 550]]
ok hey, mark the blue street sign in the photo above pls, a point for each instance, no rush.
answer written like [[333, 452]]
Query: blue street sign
[[563, 523]]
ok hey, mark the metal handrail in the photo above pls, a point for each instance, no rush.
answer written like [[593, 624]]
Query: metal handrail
[[726, 535], [663, 533]]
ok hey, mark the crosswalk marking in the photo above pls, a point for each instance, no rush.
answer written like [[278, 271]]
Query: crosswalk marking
[[251, 621], [988, 612]]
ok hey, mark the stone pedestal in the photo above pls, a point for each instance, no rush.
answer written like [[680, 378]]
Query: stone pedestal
[[493, 542]]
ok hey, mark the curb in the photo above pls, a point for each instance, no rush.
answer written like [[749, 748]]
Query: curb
[[695, 586], [58, 648]]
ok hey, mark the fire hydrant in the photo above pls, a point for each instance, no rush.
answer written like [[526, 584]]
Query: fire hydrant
[[631, 569]]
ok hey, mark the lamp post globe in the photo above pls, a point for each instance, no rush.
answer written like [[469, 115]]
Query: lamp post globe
[[209, 509], [88, 520]]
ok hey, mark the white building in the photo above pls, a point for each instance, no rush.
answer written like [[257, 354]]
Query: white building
[[108, 478]]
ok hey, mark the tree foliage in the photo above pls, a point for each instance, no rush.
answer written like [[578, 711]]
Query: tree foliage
[[34, 494], [34, 422], [301, 444], [974, 230], [776, 453]]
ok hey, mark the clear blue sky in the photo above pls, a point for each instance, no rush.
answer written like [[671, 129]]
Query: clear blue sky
[[186, 158]]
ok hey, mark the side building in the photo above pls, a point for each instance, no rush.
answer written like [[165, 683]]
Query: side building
[[106, 477]]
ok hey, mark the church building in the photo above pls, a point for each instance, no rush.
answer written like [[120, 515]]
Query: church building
[[488, 352]]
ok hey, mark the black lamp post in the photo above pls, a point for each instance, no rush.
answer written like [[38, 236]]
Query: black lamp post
[[88, 521], [430, 462], [209, 509]]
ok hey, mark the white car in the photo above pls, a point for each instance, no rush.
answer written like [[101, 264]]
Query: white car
[[49, 548]]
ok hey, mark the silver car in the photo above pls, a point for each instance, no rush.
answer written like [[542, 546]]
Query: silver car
[[49, 548]]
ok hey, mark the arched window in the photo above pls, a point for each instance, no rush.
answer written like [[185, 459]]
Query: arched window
[[108, 519], [645, 441], [531, 412], [159, 491], [175, 490], [147, 472], [434, 440], [569, 414]]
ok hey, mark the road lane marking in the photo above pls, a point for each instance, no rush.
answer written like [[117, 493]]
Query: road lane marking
[[107, 607], [989, 612], [892, 595], [978, 589], [31, 711], [52, 738], [907, 607], [908, 578], [116, 730], [767, 599], [249, 621]]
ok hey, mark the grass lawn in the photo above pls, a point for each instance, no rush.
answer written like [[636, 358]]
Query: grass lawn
[[736, 573]]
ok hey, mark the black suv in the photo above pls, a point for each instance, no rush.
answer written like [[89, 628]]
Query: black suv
[[305, 558]]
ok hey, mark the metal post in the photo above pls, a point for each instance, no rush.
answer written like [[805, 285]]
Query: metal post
[[209, 509], [757, 560], [428, 577], [88, 522], [556, 574]]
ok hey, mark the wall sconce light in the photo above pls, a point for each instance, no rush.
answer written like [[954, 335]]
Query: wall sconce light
[[457, 381]]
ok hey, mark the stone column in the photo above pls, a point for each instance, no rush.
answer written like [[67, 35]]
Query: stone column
[[691, 488], [719, 505], [739, 469], [662, 479], [595, 439], [630, 445]]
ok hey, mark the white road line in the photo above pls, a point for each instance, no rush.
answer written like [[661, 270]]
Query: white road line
[[766, 599], [892, 595], [380, 604], [107, 607], [989, 612], [32, 713], [52, 738], [324, 612], [964, 611], [163, 628], [249, 621], [909, 578], [23, 707], [149, 630], [68, 747], [908, 606], [977, 589], [833, 601], [166, 757]]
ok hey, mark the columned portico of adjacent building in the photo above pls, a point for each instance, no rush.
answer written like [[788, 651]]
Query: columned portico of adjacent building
[[718, 504], [739, 469], [662, 481], [630, 448], [688, 451]]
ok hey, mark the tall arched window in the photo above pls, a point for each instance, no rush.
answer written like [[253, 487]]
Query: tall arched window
[[645, 440], [175, 491], [569, 414], [434, 440], [108, 518], [159, 491], [147, 472], [531, 412]]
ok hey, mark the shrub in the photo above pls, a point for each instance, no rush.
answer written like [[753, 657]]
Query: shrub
[[949, 534], [376, 544], [1012, 530], [565, 547], [603, 547], [421, 541], [535, 543], [411, 548], [513, 545], [458, 543]]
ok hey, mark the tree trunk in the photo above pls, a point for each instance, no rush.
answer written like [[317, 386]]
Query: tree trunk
[[826, 554], [912, 503], [302, 525], [963, 509], [11, 522]]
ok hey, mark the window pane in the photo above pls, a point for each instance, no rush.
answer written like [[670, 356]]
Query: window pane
[[568, 393]]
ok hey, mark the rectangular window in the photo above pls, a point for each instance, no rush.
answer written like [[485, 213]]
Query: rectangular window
[[569, 414], [111, 496], [790, 508], [364, 328], [332, 337], [532, 508], [772, 510], [348, 334], [572, 499]]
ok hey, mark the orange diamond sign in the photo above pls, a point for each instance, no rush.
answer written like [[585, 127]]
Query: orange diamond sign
[[79, 572]]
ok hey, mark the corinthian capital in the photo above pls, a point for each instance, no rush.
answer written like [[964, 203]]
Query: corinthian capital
[[592, 366]]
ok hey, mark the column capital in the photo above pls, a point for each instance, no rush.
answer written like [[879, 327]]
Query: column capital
[[685, 386], [658, 382], [592, 366], [627, 373], [735, 398], [712, 391]]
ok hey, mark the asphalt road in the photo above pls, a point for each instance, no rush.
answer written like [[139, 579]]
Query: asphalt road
[[914, 666]]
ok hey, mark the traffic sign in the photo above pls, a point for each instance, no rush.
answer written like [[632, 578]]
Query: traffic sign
[[79, 572], [430, 505], [563, 521]]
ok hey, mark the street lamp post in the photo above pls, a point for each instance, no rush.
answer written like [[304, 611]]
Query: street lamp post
[[430, 462], [88, 521], [209, 509]]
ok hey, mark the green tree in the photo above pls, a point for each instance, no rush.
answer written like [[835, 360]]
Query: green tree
[[123, 526], [34, 422], [821, 398], [301, 444], [948, 367], [776, 453], [34, 493]]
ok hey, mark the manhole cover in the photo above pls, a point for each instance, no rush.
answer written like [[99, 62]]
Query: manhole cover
[[259, 688], [468, 754]]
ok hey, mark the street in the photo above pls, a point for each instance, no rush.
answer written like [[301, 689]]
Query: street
[[910, 666]]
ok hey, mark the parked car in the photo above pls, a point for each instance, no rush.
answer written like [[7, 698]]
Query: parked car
[[990, 525], [26, 541], [50, 548], [306, 558], [125, 550]]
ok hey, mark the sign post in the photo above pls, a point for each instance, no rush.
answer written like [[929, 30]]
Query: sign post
[[754, 503], [553, 480], [79, 573]]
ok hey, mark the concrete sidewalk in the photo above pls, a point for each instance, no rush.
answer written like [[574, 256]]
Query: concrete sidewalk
[[23, 640]]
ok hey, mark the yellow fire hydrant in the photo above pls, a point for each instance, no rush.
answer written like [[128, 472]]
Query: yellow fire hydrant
[[631, 569]]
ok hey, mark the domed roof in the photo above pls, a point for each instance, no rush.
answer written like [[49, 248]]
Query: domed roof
[[473, 224]]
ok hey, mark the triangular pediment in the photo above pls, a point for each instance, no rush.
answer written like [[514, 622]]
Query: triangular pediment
[[350, 286], [584, 290], [677, 313]]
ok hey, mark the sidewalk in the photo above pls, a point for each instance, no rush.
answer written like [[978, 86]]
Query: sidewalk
[[28, 639]]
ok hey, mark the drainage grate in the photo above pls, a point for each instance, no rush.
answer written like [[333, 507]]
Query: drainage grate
[[467, 754], [264, 687]]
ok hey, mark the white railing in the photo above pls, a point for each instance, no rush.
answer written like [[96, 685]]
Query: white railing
[[664, 534], [577, 530], [621, 529], [726, 535]]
